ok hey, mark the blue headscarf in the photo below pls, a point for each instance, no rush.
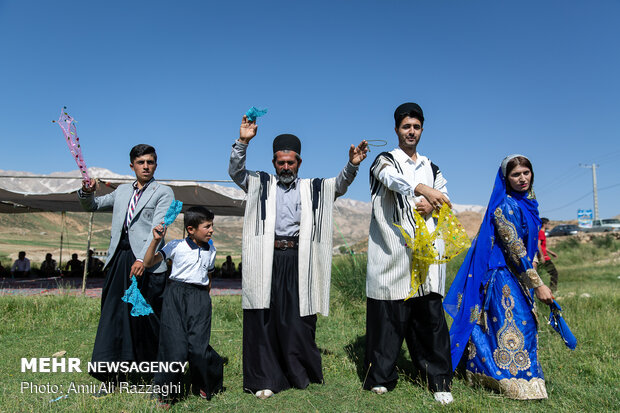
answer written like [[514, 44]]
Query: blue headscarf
[[467, 289]]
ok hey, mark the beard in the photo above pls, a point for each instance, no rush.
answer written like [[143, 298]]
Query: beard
[[287, 177]]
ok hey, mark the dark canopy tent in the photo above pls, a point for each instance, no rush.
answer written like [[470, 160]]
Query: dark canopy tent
[[191, 194], [16, 196]]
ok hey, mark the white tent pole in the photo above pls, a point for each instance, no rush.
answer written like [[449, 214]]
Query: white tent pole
[[90, 233]]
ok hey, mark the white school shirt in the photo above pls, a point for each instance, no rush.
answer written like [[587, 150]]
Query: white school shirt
[[190, 263]]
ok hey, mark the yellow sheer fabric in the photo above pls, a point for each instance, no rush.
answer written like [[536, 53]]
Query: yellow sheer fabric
[[424, 253]]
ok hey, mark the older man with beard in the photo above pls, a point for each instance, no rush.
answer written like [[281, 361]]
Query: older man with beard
[[287, 249]]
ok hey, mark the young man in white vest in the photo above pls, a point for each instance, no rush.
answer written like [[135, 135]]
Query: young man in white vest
[[401, 180], [287, 250]]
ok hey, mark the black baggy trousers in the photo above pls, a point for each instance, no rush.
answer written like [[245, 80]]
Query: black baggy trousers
[[184, 335], [421, 323], [279, 348]]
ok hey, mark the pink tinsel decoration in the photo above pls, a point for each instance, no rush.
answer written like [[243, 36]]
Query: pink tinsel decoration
[[67, 125]]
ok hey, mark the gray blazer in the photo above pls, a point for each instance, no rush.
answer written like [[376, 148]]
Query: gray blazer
[[149, 212]]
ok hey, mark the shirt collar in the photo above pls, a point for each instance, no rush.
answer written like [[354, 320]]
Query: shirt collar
[[135, 184], [194, 246], [401, 156]]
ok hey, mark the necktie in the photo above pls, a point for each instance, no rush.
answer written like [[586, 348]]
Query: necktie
[[137, 193]]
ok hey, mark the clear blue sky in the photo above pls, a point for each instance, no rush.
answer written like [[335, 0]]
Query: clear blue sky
[[493, 78]]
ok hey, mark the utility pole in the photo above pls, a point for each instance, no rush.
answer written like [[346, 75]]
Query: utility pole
[[594, 191]]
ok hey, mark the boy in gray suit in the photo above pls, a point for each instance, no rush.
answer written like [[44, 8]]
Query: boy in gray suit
[[136, 209]]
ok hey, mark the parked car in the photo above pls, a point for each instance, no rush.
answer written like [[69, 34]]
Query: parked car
[[612, 222], [564, 230], [599, 226]]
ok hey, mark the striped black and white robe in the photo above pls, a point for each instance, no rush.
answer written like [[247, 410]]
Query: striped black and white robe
[[389, 259], [315, 242]]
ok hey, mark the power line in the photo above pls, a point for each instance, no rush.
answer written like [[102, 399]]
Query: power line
[[569, 204], [609, 155], [555, 184], [608, 187], [581, 197]]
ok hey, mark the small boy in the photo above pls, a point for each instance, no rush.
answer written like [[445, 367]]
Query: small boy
[[186, 311]]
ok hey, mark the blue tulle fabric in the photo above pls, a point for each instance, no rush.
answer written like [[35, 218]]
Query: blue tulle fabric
[[173, 211], [134, 297], [254, 113], [559, 324], [466, 294]]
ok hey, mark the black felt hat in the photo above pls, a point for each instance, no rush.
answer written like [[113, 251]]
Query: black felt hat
[[287, 142], [408, 109]]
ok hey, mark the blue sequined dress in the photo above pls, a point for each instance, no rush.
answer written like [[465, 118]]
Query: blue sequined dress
[[503, 346]]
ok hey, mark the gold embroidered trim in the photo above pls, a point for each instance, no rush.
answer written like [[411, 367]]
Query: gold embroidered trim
[[508, 233], [519, 389], [534, 278], [531, 194], [471, 347], [510, 354], [475, 314], [459, 301], [530, 279]]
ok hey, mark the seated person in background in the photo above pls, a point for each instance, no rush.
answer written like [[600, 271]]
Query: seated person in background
[[2, 271], [48, 267], [228, 268], [74, 267], [95, 265], [239, 272], [21, 266]]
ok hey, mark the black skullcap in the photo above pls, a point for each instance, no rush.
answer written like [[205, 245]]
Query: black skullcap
[[287, 142], [408, 109]]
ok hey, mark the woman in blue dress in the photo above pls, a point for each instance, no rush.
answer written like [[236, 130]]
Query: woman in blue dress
[[492, 297]]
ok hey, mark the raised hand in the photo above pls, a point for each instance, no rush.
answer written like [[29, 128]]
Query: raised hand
[[159, 232], [358, 153], [247, 130], [89, 188]]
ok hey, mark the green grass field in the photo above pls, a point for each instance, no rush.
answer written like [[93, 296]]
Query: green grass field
[[584, 380]]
